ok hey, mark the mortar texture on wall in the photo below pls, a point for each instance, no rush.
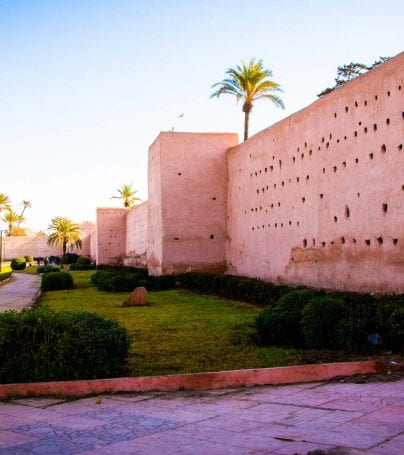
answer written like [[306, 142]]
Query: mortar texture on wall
[[317, 199], [111, 235], [137, 236], [187, 202]]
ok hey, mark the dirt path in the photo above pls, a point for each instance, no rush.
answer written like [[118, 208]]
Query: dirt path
[[20, 292]]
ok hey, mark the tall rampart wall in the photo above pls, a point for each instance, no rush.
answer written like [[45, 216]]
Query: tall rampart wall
[[111, 235], [187, 202], [317, 199], [137, 236]]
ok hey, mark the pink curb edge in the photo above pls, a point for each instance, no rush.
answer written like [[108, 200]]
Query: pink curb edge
[[193, 381]]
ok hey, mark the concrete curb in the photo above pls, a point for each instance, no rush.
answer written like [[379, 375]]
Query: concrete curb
[[193, 381]]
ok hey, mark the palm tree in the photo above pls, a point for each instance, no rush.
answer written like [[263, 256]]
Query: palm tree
[[127, 194], [11, 218], [64, 232], [5, 202], [249, 82], [26, 205]]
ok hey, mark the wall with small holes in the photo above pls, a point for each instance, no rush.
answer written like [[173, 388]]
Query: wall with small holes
[[20, 246], [187, 202], [111, 235], [137, 236], [318, 198]]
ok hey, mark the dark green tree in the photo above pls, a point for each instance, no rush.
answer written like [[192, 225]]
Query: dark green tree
[[348, 72]]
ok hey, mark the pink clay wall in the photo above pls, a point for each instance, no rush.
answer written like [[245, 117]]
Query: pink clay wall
[[187, 202], [317, 199], [111, 235], [155, 234], [14, 247], [20, 246], [137, 236]]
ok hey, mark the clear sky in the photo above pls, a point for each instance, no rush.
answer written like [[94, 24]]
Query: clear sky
[[87, 85]]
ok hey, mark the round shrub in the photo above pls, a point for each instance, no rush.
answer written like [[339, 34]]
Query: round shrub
[[29, 258], [47, 269], [83, 263], [69, 258], [322, 320], [84, 260], [18, 264], [42, 345], [281, 324], [54, 281]]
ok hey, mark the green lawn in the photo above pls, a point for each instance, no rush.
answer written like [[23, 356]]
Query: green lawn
[[178, 331]]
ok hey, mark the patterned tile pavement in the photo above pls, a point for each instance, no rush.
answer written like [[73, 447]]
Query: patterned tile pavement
[[337, 418]]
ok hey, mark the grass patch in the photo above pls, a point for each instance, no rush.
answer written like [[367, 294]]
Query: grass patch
[[178, 332], [31, 270]]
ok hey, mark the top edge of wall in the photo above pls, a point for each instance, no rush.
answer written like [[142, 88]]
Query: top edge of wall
[[336, 93], [114, 208]]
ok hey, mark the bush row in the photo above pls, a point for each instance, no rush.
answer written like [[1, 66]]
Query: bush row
[[42, 345], [5, 276], [258, 292], [332, 320], [127, 279], [317, 319], [47, 269]]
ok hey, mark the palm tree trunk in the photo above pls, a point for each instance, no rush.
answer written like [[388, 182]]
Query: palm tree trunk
[[22, 214], [246, 122]]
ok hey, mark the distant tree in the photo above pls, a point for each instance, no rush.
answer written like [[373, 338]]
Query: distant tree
[[249, 82], [5, 203], [18, 231], [127, 195], [11, 219], [40, 234], [63, 231], [26, 205], [348, 72]]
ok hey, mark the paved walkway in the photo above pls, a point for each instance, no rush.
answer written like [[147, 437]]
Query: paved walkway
[[19, 292], [336, 418]]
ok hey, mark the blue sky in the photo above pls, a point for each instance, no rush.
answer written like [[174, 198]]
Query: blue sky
[[86, 86]]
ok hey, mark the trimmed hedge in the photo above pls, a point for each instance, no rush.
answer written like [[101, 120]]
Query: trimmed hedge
[[47, 269], [83, 263], [42, 345], [250, 290], [322, 322], [5, 276], [281, 324], [54, 281], [127, 279], [69, 258], [18, 264]]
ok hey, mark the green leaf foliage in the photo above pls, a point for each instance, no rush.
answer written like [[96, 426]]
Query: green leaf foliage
[[54, 281], [18, 264], [281, 324], [321, 321], [42, 345]]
